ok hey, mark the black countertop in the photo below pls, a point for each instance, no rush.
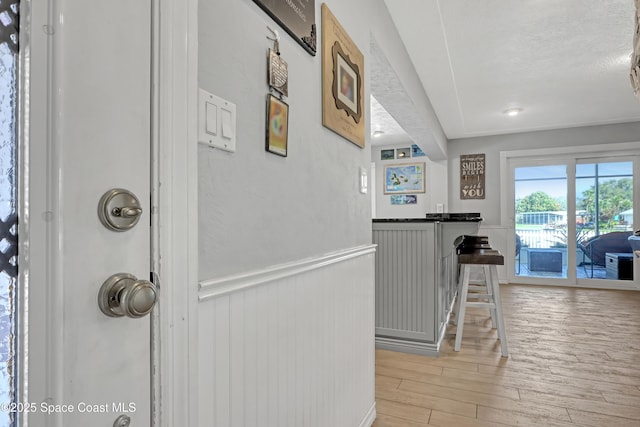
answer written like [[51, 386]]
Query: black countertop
[[438, 217]]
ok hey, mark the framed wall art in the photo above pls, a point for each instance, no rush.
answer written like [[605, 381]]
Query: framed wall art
[[404, 199], [387, 154], [472, 167], [416, 151], [298, 18], [342, 81], [403, 153], [277, 126], [404, 178]]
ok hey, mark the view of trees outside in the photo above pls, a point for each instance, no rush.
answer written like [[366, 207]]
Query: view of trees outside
[[604, 192], [537, 202], [604, 203]]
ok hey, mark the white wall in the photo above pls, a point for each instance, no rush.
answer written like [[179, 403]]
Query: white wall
[[258, 211], [493, 145], [435, 186]]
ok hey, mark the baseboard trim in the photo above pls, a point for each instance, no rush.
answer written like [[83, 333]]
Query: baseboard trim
[[368, 420], [217, 287], [405, 346]]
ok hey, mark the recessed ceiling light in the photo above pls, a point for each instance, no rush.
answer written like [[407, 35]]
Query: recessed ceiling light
[[512, 111], [378, 133]]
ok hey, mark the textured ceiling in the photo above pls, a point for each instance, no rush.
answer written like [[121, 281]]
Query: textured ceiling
[[565, 63], [385, 129]]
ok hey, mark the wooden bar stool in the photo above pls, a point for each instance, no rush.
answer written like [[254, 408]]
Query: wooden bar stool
[[488, 259]]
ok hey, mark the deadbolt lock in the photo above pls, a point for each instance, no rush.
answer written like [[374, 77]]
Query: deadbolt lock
[[119, 209], [124, 295]]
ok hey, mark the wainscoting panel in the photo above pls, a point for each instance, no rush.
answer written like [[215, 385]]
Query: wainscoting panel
[[291, 345]]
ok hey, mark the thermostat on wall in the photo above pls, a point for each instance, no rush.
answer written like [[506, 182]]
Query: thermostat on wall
[[216, 121]]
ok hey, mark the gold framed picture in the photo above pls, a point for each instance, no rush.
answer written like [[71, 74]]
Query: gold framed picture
[[404, 178], [342, 81], [277, 126]]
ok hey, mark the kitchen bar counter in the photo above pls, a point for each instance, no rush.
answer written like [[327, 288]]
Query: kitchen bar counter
[[416, 277]]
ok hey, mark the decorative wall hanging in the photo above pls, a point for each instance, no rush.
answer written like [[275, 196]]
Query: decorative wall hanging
[[404, 178], [277, 126], [404, 199], [403, 153], [298, 18], [277, 68], [472, 168], [387, 154], [416, 151], [342, 81]]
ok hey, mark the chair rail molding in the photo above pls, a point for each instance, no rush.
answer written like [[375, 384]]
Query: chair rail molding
[[215, 287]]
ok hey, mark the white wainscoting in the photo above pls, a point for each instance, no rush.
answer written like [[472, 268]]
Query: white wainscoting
[[291, 345]]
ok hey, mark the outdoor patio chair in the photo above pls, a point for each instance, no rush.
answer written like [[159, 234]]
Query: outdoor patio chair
[[518, 248], [596, 248]]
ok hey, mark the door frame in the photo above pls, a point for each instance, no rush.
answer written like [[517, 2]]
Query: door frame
[[174, 212], [175, 59], [543, 155]]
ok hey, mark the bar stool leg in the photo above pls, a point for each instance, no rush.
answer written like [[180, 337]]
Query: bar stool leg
[[462, 299], [487, 281], [456, 314], [502, 333]]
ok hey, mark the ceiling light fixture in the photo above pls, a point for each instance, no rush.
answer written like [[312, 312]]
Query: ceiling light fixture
[[512, 112], [378, 133]]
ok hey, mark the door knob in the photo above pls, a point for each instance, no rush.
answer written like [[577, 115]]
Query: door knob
[[124, 295]]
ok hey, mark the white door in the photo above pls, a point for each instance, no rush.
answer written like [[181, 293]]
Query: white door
[[94, 368]]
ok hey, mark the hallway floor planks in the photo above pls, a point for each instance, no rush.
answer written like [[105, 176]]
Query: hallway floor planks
[[574, 361]]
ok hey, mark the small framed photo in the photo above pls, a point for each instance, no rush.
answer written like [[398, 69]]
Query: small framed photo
[[403, 153], [347, 85], [277, 126], [404, 199], [387, 154]]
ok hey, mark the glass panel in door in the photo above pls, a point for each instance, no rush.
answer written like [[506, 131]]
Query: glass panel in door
[[604, 221], [541, 221], [8, 207]]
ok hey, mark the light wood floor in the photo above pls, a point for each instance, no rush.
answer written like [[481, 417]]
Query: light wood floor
[[574, 361]]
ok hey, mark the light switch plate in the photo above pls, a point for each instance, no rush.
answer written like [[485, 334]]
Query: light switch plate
[[216, 121], [364, 181]]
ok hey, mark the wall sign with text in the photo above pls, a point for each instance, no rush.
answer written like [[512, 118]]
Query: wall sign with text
[[472, 167], [297, 17]]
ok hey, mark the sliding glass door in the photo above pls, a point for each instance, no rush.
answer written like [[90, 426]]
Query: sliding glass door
[[604, 219], [541, 221], [572, 220]]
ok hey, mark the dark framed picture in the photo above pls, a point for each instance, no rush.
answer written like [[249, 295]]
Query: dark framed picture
[[403, 153], [387, 154], [298, 18], [277, 126], [472, 180]]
